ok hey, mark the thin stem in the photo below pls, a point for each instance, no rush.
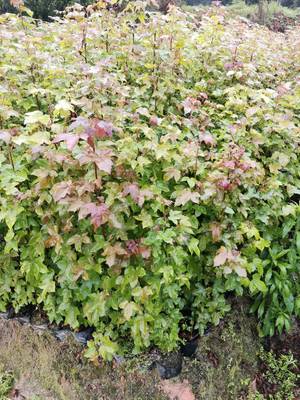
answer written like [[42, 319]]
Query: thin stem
[[10, 156], [96, 171], [197, 155]]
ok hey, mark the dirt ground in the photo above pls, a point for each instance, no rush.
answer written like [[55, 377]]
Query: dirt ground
[[225, 366]]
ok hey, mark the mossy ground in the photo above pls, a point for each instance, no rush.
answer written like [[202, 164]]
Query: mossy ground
[[226, 360], [225, 366], [46, 369]]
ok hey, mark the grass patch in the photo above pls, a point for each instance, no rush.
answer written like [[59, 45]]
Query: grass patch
[[250, 10], [6, 383], [44, 368]]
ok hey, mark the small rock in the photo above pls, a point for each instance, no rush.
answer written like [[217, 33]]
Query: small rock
[[23, 320], [4, 315], [119, 359], [62, 334], [84, 336], [169, 366], [189, 348], [178, 390], [40, 328]]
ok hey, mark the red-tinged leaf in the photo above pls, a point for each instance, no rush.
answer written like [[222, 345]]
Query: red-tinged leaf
[[83, 186], [207, 138], [61, 190], [221, 257], [104, 161], [172, 173], [190, 104], [101, 129], [203, 96], [132, 247], [17, 3], [154, 120], [185, 196], [216, 232], [5, 136], [70, 139], [145, 252], [79, 122], [75, 204], [230, 164], [144, 194], [133, 190], [102, 158], [112, 252], [91, 142], [225, 184], [98, 213]]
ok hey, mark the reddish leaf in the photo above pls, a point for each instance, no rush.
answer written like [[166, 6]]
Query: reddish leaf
[[101, 129], [154, 120], [111, 253], [145, 252], [61, 190], [71, 139], [208, 139], [102, 158], [221, 257], [230, 164], [225, 184], [215, 231], [17, 3], [99, 213], [133, 190], [79, 122], [185, 196], [190, 104], [5, 136]]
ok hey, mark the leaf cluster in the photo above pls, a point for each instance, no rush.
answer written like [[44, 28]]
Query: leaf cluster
[[149, 168]]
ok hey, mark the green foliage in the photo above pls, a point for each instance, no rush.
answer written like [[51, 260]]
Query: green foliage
[[272, 8], [280, 373], [149, 167], [6, 384], [41, 8], [276, 16]]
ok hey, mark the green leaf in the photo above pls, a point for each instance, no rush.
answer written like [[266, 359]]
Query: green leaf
[[193, 246], [36, 117]]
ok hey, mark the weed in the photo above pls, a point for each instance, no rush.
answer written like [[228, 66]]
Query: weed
[[6, 384]]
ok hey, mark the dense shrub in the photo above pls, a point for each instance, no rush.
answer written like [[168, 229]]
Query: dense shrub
[[277, 17], [41, 8], [149, 168]]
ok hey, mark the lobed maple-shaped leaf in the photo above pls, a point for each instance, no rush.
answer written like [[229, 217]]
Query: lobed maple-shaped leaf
[[111, 253], [71, 139], [207, 138], [100, 129], [133, 190], [79, 122], [5, 136], [61, 190], [172, 173], [17, 3], [102, 158], [185, 196], [137, 195], [216, 231], [98, 213], [190, 104], [221, 257]]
